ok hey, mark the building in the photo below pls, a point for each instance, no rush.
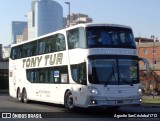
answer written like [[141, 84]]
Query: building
[[25, 34], [149, 49], [31, 25], [19, 38], [4, 83], [17, 29], [64, 22], [78, 18], [143, 40], [0, 51], [6, 52], [45, 16], [4, 68]]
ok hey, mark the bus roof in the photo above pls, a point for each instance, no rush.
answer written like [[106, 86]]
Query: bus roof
[[72, 27], [98, 24]]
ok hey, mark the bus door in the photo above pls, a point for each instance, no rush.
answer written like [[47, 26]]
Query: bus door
[[78, 73], [55, 85]]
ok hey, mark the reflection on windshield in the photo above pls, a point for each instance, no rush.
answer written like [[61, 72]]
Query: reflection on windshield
[[109, 37], [114, 72]]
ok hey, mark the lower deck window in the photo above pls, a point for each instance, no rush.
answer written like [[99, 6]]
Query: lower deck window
[[48, 75]]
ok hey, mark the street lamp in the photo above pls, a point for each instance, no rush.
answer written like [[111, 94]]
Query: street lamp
[[153, 62], [153, 37], [68, 3]]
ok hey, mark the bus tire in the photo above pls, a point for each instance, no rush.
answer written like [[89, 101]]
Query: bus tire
[[24, 95], [68, 101], [19, 95]]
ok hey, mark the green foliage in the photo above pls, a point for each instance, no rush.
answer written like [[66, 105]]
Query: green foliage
[[155, 100]]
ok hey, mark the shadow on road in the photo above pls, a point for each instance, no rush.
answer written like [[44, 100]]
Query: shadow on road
[[77, 112]]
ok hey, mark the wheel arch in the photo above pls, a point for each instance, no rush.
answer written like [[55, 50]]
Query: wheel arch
[[67, 90], [18, 88]]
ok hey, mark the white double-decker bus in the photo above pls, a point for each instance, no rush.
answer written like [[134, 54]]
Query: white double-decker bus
[[86, 65]]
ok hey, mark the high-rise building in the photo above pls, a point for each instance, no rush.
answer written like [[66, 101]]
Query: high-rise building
[[45, 16], [25, 34], [31, 21], [17, 29]]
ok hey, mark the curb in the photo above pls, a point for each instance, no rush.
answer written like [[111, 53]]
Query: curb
[[4, 91], [150, 105]]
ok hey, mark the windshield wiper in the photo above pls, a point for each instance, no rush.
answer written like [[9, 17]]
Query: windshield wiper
[[112, 74]]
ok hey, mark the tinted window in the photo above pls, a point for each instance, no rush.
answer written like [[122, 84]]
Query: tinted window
[[60, 42], [99, 37], [48, 75], [50, 44], [14, 53], [76, 38], [78, 72], [114, 71]]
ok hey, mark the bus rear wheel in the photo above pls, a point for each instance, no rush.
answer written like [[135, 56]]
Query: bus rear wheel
[[68, 101], [25, 99]]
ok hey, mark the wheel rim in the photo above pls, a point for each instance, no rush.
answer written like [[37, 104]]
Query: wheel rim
[[25, 96], [70, 103]]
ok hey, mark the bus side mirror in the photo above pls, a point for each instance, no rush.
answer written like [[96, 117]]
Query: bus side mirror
[[147, 65]]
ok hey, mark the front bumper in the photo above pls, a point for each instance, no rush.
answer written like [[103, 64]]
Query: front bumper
[[96, 101]]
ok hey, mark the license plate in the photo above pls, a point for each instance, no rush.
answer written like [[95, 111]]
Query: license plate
[[120, 101]]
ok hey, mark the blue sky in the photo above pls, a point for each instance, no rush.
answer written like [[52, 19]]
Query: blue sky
[[142, 15]]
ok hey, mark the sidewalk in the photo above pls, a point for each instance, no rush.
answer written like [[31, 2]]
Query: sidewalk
[[150, 105]]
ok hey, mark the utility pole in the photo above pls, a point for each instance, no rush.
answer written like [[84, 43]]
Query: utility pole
[[68, 3], [153, 62]]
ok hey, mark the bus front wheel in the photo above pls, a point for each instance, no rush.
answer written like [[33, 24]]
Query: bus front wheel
[[25, 99], [68, 101]]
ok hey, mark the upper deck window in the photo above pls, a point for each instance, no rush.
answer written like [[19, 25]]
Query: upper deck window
[[99, 37], [54, 43], [76, 38]]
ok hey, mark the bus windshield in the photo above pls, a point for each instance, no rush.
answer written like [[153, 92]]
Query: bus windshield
[[114, 71], [99, 37]]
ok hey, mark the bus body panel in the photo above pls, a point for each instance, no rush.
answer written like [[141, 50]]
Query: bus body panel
[[73, 69]]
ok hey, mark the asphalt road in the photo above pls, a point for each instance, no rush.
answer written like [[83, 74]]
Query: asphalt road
[[50, 112]]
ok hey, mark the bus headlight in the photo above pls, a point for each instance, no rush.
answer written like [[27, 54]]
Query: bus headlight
[[94, 91], [139, 91]]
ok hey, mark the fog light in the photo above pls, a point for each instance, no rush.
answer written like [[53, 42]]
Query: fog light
[[93, 102], [140, 100]]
